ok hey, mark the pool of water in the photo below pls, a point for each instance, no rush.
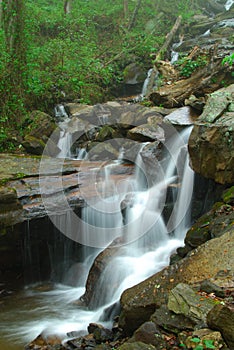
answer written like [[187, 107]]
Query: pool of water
[[40, 309]]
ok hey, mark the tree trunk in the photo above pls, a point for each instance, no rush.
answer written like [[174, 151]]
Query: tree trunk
[[67, 7], [13, 26], [161, 53], [125, 6], [134, 16]]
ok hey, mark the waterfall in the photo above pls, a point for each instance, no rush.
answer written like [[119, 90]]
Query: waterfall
[[228, 4], [64, 144], [174, 53], [147, 242]]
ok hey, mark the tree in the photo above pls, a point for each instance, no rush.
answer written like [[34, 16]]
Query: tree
[[13, 26], [134, 16], [125, 6], [67, 7]]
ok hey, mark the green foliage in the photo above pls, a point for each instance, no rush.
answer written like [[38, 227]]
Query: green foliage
[[188, 66], [80, 55], [204, 344], [229, 60]]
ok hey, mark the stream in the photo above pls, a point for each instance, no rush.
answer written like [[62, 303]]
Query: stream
[[148, 240]]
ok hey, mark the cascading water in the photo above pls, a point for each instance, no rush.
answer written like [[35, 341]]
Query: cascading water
[[228, 4], [64, 144], [147, 239]]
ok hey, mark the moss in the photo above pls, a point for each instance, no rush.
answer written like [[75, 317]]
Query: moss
[[228, 195]]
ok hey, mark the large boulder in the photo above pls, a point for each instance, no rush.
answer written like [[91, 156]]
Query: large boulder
[[211, 144], [221, 318], [139, 302], [38, 131]]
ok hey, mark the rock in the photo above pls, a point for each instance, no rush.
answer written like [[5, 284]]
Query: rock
[[228, 196], [134, 74], [185, 301], [170, 321], [105, 133], [217, 104], [140, 302], [102, 335], [81, 130], [33, 145], [45, 342], [102, 151], [77, 108], [221, 318], [205, 338], [39, 129], [211, 145], [182, 116], [212, 224], [95, 272], [148, 333], [146, 132], [11, 211], [210, 287], [195, 102], [136, 346]]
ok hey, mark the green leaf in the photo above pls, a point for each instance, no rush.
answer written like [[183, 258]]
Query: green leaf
[[196, 340], [209, 343]]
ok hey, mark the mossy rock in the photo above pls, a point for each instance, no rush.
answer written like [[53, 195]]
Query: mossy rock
[[105, 133], [33, 145], [134, 74], [228, 196]]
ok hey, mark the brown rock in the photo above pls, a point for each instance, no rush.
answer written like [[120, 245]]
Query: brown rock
[[221, 318], [139, 302]]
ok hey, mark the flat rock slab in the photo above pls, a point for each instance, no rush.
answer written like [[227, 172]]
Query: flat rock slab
[[35, 180]]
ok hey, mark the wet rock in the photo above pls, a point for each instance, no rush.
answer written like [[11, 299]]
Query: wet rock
[[170, 321], [211, 141], [140, 302], [185, 301], [96, 270], [221, 318]]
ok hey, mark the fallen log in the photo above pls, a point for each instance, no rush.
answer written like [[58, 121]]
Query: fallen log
[[161, 53], [204, 81]]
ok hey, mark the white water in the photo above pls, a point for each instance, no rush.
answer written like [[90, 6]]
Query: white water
[[229, 4], [64, 144], [148, 243]]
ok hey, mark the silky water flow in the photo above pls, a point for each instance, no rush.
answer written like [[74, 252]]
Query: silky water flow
[[147, 241]]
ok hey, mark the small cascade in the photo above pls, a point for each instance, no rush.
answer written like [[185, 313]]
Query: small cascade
[[145, 85], [60, 112], [81, 153], [228, 4], [174, 53], [64, 144], [129, 211]]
